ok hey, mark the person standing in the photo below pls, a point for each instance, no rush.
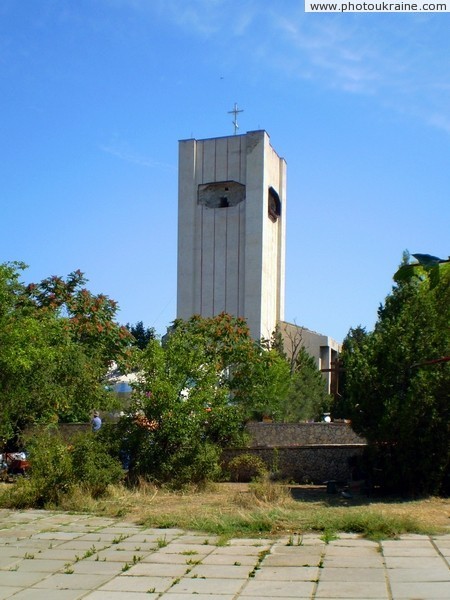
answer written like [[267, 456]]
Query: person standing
[[96, 422]]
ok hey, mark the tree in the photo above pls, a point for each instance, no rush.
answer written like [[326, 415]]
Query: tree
[[306, 397], [141, 334], [56, 343], [397, 381], [196, 390], [253, 376]]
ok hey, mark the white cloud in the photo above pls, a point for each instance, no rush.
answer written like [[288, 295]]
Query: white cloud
[[402, 63]]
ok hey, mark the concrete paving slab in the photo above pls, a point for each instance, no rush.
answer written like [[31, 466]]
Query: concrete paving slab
[[277, 549], [73, 581], [168, 531], [8, 591], [159, 570], [170, 595], [229, 559], [8, 563], [407, 549], [278, 589], [197, 539], [238, 549], [178, 559], [287, 573], [176, 548], [352, 589], [114, 555], [292, 560], [55, 553], [134, 547], [351, 567], [97, 567], [32, 543], [41, 566], [42, 594], [221, 571], [413, 562], [121, 529], [352, 541], [57, 535], [12, 535], [361, 575], [84, 545], [430, 590], [418, 575], [352, 563], [353, 550], [121, 596], [20, 579], [97, 536], [208, 586], [254, 542], [149, 538], [137, 584]]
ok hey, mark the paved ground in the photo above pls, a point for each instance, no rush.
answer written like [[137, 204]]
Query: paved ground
[[45, 555]]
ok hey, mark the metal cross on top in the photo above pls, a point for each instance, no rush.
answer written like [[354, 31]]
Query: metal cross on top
[[235, 112]]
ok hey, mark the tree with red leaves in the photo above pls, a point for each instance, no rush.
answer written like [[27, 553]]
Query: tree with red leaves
[[57, 341]]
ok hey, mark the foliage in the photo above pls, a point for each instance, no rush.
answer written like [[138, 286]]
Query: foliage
[[141, 334], [434, 267], [56, 343], [246, 467], [397, 383], [195, 391], [305, 395], [58, 467], [93, 467], [240, 364], [181, 415], [307, 398]]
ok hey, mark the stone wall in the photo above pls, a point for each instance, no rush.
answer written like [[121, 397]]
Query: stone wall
[[302, 434], [304, 464], [303, 452]]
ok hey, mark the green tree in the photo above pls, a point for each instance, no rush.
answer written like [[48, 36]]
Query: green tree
[[141, 334], [253, 376], [181, 416], [308, 397], [56, 344], [397, 381], [195, 391]]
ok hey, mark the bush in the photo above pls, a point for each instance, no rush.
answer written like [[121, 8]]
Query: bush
[[57, 468], [246, 467], [92, 466]]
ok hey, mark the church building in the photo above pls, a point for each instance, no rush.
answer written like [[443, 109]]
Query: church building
[[231, 230], [232, 237]]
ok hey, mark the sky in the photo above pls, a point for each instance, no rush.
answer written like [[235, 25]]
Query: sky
[[95, 94]]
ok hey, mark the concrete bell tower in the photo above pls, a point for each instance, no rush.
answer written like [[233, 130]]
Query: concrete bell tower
[[231, 230]]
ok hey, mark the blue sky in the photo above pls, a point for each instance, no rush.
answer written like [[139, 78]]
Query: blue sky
[[95, 95]]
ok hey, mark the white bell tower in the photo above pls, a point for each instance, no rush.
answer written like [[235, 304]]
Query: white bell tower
[[231, 230]]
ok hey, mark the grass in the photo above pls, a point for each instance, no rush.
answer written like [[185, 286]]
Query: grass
[[265, 509]]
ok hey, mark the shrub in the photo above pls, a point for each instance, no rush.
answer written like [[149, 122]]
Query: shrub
[[57, 468], [246, 467], [93, 467]]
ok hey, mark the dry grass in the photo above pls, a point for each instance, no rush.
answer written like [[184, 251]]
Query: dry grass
[[265, 508], [233, 509]]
